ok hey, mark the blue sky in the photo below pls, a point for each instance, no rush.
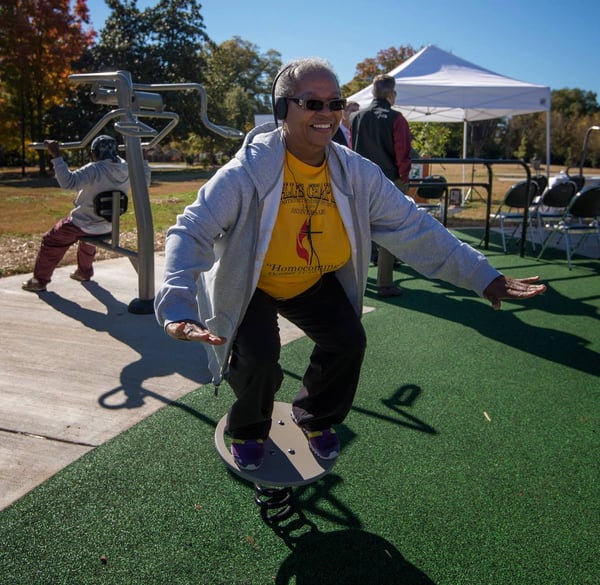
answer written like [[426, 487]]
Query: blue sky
[[546, 42]]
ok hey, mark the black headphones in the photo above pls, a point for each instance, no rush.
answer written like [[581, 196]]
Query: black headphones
[[280, 104]]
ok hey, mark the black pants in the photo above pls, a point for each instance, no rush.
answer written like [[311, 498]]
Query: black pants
[[326, 316]]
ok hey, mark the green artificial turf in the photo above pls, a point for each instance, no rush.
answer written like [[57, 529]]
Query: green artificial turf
[[470, 457]]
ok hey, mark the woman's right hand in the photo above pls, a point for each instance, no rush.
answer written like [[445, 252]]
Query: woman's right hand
[[189, 331]]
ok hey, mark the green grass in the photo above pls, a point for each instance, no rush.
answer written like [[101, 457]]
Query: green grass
[[470, 457]]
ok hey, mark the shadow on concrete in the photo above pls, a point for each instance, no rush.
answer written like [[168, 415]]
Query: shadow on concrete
[[160, 355]]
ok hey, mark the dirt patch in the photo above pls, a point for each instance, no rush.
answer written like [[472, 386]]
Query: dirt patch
[[18, 254]]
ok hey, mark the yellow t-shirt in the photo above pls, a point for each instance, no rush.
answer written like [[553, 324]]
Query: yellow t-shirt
[[309, 238]]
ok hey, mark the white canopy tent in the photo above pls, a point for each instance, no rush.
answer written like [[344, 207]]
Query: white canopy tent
[[436, 86]]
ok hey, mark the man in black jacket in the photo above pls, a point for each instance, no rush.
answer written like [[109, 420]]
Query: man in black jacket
[[383, 136]]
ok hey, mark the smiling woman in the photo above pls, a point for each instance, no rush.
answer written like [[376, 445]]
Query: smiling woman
[[285, 228], [307, 96]]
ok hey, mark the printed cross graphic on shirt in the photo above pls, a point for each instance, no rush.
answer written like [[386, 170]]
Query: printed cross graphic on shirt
[[306, 232]]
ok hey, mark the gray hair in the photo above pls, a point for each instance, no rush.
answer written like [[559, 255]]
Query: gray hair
[[287, 79], [383, 86]]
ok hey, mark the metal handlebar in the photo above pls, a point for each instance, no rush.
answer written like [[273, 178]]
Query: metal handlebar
[[115, 88], [224, 131]]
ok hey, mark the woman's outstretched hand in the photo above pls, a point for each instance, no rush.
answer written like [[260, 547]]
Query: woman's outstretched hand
[[188, 331], [504, 287]]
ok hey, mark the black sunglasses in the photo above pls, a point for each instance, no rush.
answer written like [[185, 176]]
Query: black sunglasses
[[335, 105]]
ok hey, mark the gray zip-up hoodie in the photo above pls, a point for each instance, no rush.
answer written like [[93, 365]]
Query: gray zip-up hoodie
[[88, 181], [215, 251]]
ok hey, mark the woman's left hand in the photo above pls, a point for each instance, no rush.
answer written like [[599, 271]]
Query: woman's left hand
[[504, 287]]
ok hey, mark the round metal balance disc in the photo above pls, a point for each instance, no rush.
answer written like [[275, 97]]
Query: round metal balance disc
[[288, 458]]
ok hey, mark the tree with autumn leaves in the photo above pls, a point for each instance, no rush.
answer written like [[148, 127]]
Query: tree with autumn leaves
[[383, 62], [40, 40], [165, 43]]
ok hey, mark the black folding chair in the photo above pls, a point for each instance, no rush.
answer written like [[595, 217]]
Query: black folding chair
[[551, 206], [581, 217], [433, 188], [510, 213]]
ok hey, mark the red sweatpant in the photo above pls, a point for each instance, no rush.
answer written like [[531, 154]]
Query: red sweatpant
[[55, 244]]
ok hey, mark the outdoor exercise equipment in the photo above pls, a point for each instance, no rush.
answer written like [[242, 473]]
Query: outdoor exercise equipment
[[288, 462], [135, 101]]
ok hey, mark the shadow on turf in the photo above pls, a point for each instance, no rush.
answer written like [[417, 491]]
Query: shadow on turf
[[158, 355], [548, 342], [349, 555], [403, 397]]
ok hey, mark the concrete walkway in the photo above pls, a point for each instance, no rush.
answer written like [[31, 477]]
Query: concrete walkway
[[78, 369]]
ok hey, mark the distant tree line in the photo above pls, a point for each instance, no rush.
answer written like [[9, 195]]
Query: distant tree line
[[42, 42]]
